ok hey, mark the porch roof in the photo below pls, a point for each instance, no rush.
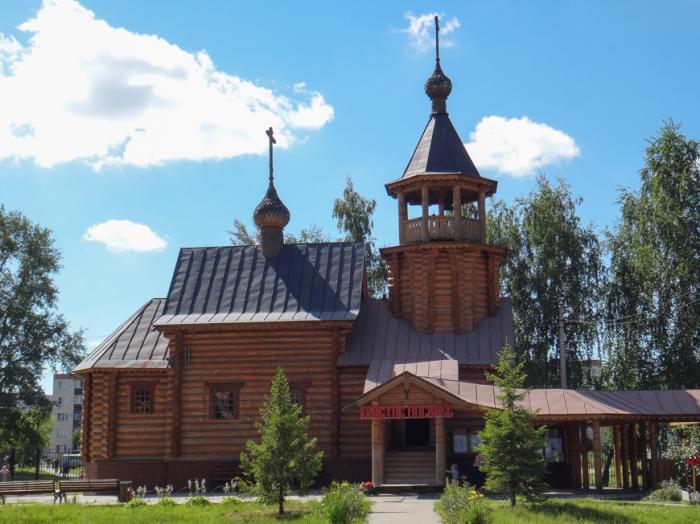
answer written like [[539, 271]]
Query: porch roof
[[557, 403]]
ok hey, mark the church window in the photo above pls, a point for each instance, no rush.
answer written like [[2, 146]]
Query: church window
[[143, 398], [297, 392], [224, 401]]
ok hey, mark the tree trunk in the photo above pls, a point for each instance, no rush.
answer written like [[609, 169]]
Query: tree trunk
[[280, 500], [512, 499]]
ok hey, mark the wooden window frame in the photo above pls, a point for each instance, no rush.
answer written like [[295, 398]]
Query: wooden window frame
[[134, 387], [228, 387], [302, 386]]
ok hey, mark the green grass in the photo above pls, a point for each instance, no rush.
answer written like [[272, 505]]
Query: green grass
[[74, 513], [590, 511]]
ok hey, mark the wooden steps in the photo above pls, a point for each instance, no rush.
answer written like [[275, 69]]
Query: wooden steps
[[410, 467]]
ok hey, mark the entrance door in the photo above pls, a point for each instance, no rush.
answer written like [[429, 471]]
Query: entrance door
[[417, 432]]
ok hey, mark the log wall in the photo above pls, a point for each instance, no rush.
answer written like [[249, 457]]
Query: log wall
[[444, 287], [251, 358], [354, 434]]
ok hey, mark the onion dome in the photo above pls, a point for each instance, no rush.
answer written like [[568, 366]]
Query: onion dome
[[438, 87], [271, 211]]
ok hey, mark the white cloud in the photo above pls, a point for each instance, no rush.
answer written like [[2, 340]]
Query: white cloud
[[124, 235], [81, 89], [421, 30], [518, 146]]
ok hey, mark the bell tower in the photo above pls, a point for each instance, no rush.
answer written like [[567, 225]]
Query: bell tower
[[442, 276]]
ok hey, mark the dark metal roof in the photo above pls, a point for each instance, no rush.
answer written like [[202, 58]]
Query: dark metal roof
[[390, 345], [440, 150], [135, 344], [238, 284]]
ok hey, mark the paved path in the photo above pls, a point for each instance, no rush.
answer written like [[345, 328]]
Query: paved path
[[406, 509]]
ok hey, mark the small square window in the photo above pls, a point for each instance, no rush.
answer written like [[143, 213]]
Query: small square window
[[223, 401], [297, 392], [142, 398]]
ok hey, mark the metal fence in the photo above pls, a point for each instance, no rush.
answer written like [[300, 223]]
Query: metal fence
[[47, 464]]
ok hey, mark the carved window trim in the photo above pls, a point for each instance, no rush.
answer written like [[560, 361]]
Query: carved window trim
[[224, 387]]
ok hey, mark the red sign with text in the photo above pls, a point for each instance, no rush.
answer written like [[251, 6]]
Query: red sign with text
[[400, 412]]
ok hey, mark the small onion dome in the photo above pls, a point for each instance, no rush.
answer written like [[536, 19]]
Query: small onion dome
[[271, 211], [438, 87]]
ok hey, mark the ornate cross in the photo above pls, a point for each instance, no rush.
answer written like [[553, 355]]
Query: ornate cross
[[271, 141]]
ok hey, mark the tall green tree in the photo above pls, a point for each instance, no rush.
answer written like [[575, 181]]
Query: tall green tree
[[554, 266], [653, 300], [32, 332], [354, 216], [511, 446], [285, 452]]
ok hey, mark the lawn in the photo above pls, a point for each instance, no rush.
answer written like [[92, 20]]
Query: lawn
[[595, 511], [246, 512]]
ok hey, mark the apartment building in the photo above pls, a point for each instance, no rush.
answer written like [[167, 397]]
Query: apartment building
[[67, 410]]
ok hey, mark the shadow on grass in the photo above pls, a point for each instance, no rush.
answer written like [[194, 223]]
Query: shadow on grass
[[575, 512]]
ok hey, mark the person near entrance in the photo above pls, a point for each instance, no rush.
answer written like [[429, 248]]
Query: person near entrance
[[454, 473]]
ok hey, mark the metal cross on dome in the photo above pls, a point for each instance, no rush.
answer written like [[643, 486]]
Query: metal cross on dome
[[272, 140], [437, 39]]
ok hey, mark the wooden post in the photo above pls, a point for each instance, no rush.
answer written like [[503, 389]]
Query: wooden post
[[584, 457], [377, 451], [618, 456], [482, 214], [625, 456], [645, 462], [654, 454], [634, 456], [457, 212], [426, 209], [597, 461], [573, 454], [403, 217], [440, 451]]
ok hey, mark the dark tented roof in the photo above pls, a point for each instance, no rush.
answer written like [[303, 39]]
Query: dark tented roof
[[238, 284], [440, 150], [135, 344], [390, 345]]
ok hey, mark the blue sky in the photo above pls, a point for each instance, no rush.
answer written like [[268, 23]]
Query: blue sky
[[101, 125]]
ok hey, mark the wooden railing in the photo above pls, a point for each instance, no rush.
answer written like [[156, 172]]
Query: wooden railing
[[442, 228]]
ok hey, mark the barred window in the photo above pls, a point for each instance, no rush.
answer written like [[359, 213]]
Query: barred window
[[223, 401], [142, 398]]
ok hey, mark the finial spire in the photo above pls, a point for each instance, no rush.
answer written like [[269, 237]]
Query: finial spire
[[271, 215], [437, 39], [438, 86], [272, 140]]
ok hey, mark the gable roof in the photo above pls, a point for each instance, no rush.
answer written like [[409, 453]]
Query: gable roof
[[134, 344], [236, 284], [390, 346], [440, 150]]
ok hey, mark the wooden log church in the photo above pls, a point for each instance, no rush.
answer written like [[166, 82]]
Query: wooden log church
[[395, 388]]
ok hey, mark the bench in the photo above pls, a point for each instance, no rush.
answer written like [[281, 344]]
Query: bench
[[88, 486], [27, 487]]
